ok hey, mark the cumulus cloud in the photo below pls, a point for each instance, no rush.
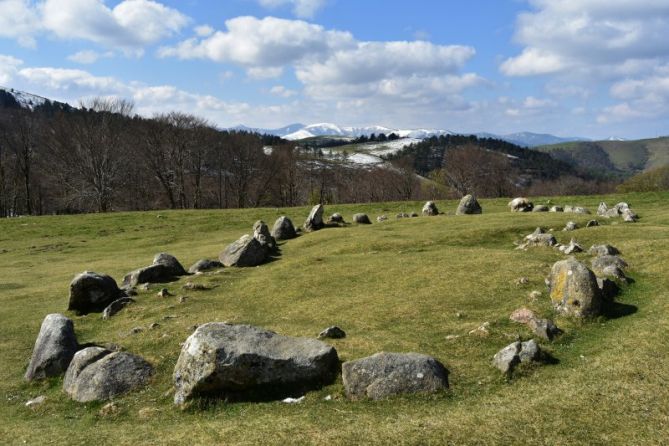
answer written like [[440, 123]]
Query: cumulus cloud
[[302, 8], [282, 91], [129, 26], [87, 57], [8, 67], [646, 97], [586, 34]]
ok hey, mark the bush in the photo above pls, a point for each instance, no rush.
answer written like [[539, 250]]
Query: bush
[[650, 181]]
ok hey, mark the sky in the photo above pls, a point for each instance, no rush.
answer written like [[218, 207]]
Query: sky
[[589, 68]]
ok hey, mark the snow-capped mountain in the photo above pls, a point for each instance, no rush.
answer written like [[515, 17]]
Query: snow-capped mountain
[[529, 139], [299, 131], [11, 98]]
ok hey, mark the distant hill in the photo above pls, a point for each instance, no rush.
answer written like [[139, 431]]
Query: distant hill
[[529, 139], [11, 98], [612, 158]]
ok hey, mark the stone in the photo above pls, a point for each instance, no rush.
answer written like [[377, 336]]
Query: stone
[[157, 273], [574, 290], [314, 221], [175, 268], [116, 306], [592, 223], [381, 218], [333, 332], [580, 210], [569, 209], [221, 359], [522, 315], [544, 328], [192, 286], [572, 247], [468, 205], [413, 215], [283, 229], [262, 235], [108, 410], [203, 265], [92, 292], [556, 209], [430, 209], [608, 288], [164, 293], [481, 331], [538, 238], [629, 216], [540, 208], [534, 295], [97, 374], [55, 347], [36, 402], [522, 281], [362, 219], [570, 226], [516, 353], [246, 251], [336, 218], [386, 374], [603, 250], [402, 215], [521, 204], [612, 262]]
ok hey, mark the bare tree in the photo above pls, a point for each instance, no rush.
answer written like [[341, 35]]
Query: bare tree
[[473, 170]]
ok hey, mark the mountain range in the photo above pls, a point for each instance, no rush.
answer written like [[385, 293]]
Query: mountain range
[[300, 131]]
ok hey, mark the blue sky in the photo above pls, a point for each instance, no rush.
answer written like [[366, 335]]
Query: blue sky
[[594, 68]]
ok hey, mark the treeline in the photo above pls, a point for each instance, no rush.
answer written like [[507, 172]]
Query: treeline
[[102, 157]]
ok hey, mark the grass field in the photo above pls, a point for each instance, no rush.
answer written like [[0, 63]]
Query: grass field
[[402, 285]]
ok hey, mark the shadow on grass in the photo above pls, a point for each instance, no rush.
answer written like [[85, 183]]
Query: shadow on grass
[[615, 310]]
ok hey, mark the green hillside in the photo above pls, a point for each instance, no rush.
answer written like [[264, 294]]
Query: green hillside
[[419, 284], [618, 158]]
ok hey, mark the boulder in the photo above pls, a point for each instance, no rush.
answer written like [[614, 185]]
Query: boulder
[[430, 209], [175, 268], [602, 209], [574, 290], [402, 215], [568, 209], [225, 360], [336, 218], [381, 218], [610, 266], [386, 374], [97, 374], [540, 208], [333, 332], [572, 248], [468, 205], [362, 219], [203, 265], [92, 292], [262, 235], [314, 221], [54, 348], [413, 215], [116, 306], [603, 250], [521, 204], [592, 223], [538, 238], [556, 209], [629, 216], [513, 354], [544, 328], [157, 273], [522, 315], [570, 226], [247, 251], [283, 229]]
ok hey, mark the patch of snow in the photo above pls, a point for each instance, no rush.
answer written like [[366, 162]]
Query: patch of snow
[[363, 158]]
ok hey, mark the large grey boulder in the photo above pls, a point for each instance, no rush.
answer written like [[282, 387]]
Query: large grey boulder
[[97, 374], [54, 348], [283, 229], [116, 306], [222, 359], [314, 221], [629, 216], [610, 266], [556, 209], [362, 219], [336, 219], [468, 205], [516, 353], [574, 290], [92, 292], [165, 268], [603, 250], [175, 268], [521, 204], [385, 374], [430, 209], [262, 234], [541, 208], [203, 265], [247, 251]]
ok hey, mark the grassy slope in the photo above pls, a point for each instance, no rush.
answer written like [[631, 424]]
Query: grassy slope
[[395, 286], [629, 156]]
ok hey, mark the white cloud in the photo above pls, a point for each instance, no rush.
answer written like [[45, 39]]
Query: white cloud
[[129, 26], [302, 8], [646, 97], [87, 57], [204, 30], [584, 35], [76, 81], [268, 42], [282, 91], [8, 67]]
